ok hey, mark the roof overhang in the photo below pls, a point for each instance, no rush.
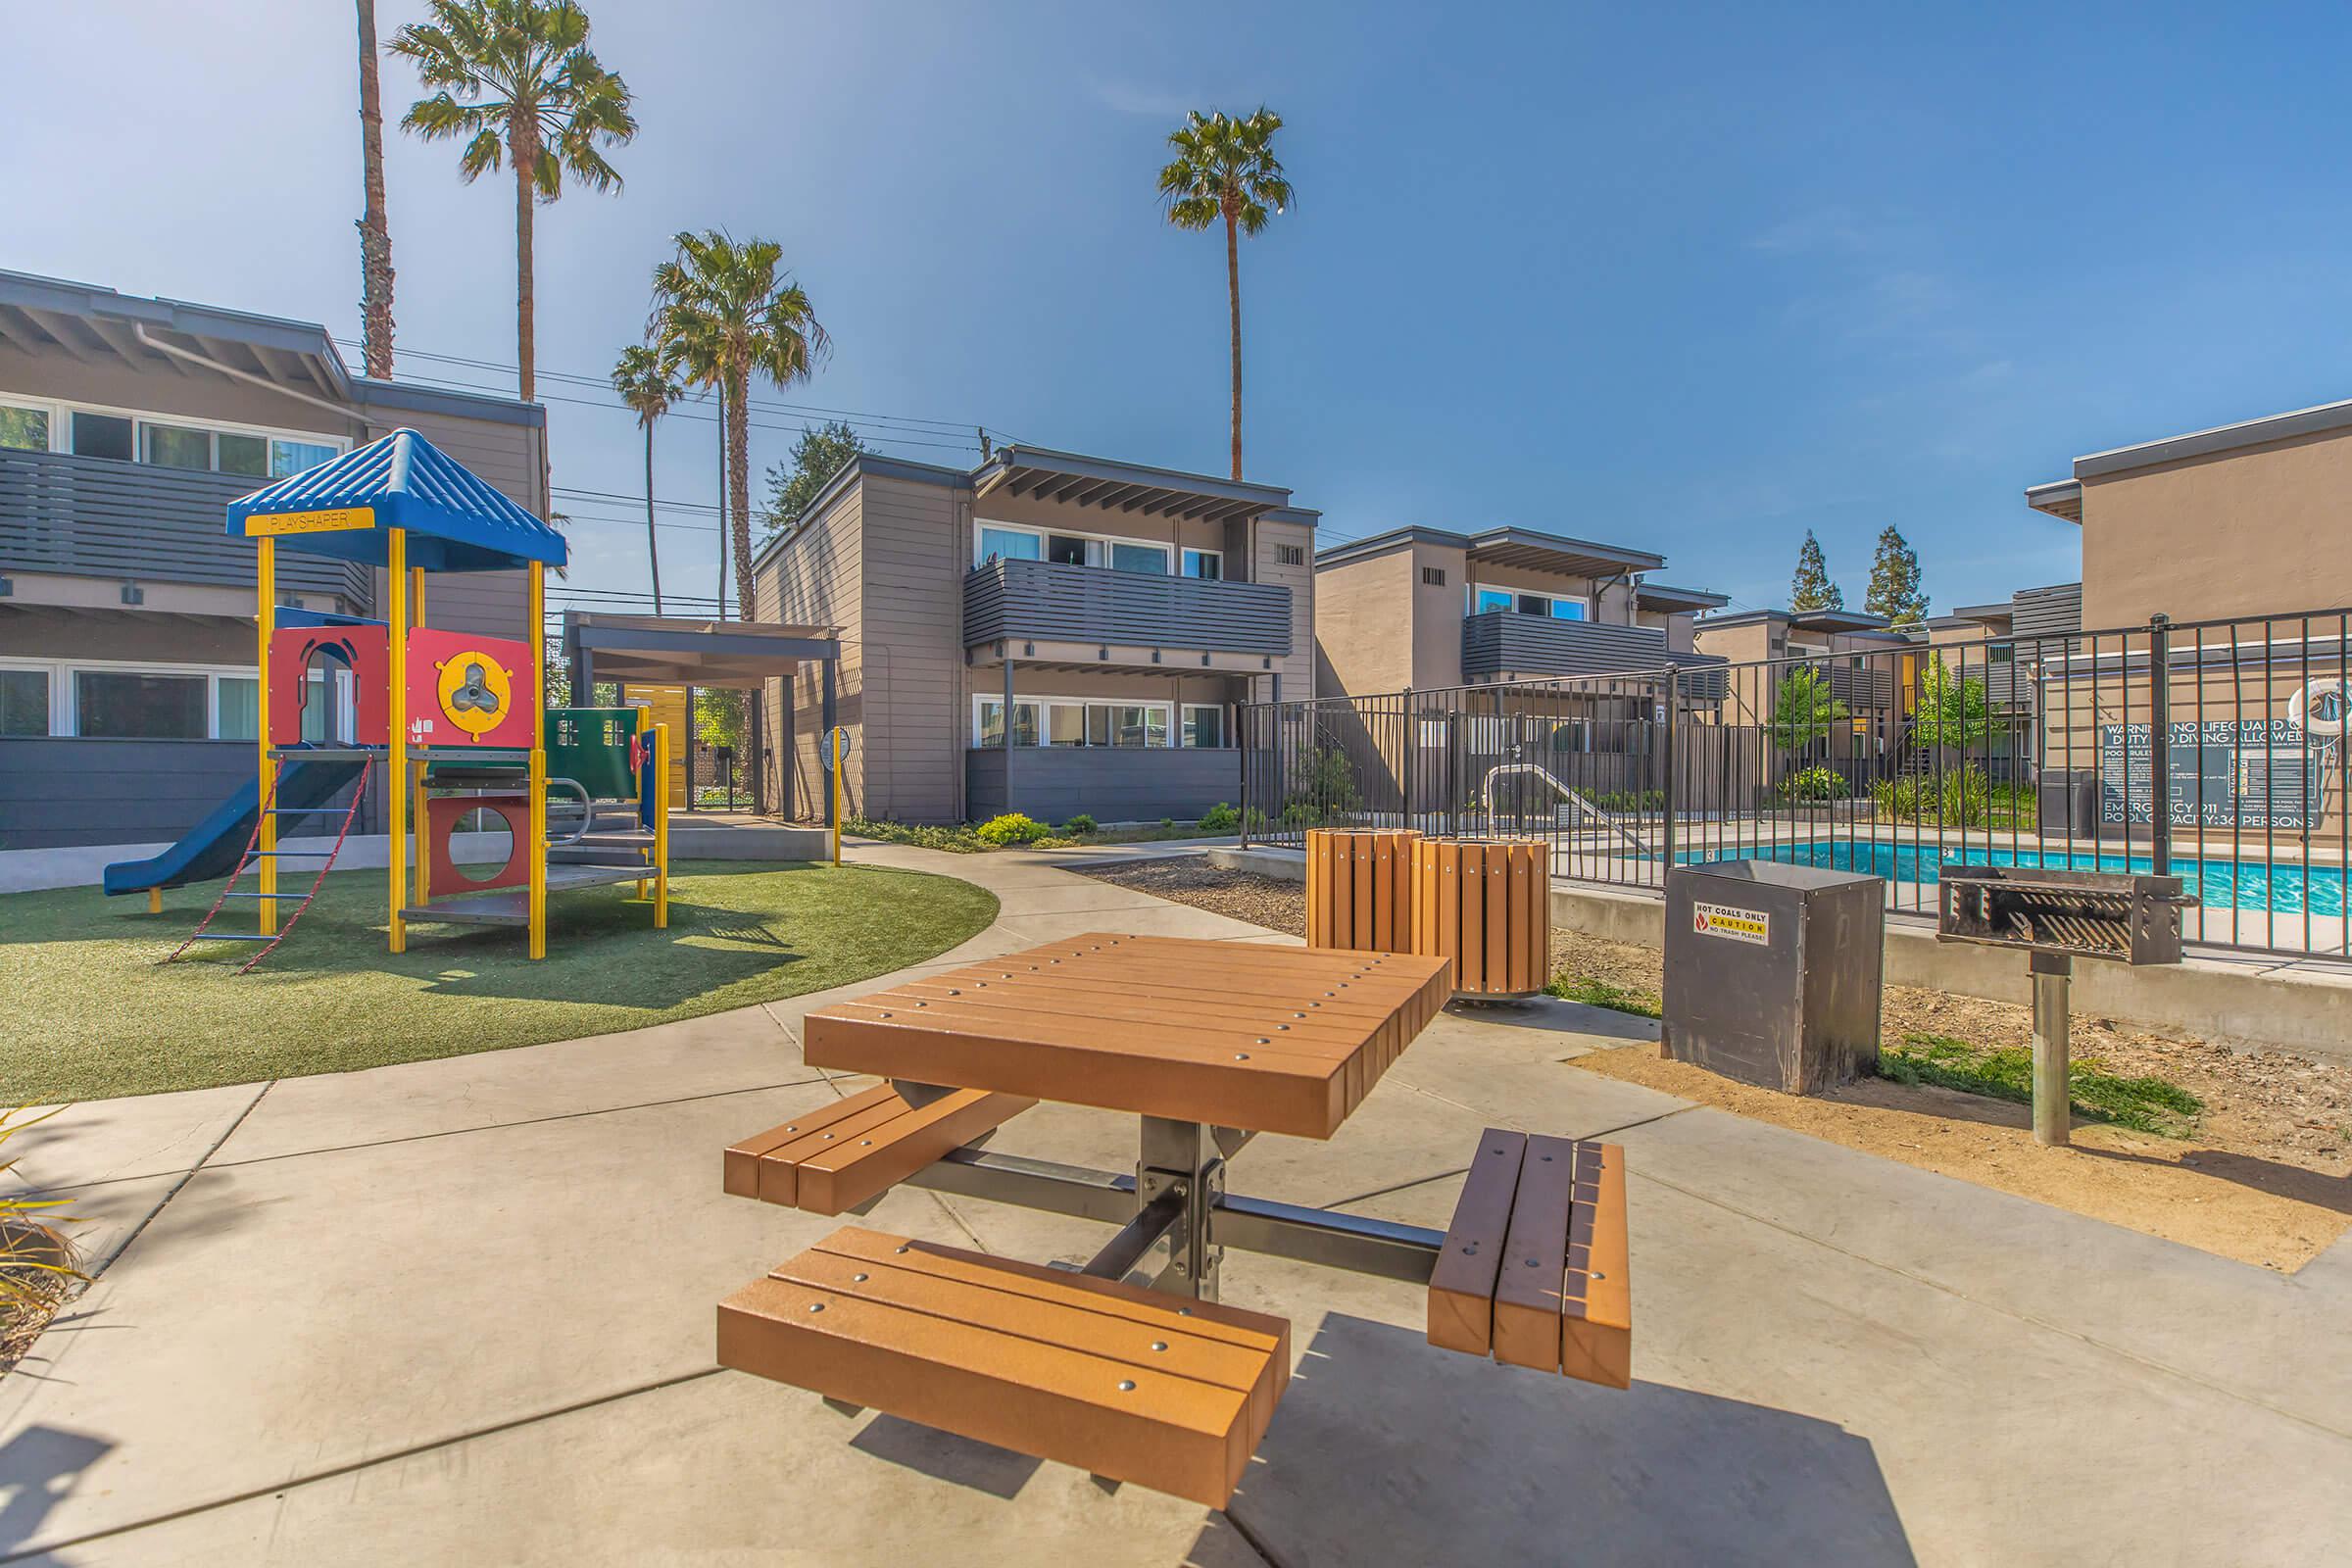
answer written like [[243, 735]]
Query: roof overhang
[[673, 650], [97, 326], [1070, 479], [2060, 498], [1526, 547], [1658, 596], [1839, 621]]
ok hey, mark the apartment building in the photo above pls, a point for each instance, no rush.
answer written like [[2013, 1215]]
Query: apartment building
[[127, 693], [1046, 633], [2242, 521], [1429, 608]]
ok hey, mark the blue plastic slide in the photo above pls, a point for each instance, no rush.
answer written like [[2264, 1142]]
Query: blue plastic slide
[[212, 848]]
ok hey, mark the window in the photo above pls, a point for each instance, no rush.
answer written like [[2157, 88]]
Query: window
[[24, 702], [1482, 600], [1203, 724], [1433, 576], [101, 435], [286, 457], [1007, 544], [116, 703], [171, 446], [1067, 550], [1207, 564], [1072, 722], [1149, 558], [990, 731], [1289, 555], [246, 455], [23, 429]]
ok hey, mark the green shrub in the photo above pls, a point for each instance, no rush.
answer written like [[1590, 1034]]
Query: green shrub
[[1080, 825], [1815, 783], [1220, 819], [1961, 798], [958, 839], [1013, 828], [1254, 820]]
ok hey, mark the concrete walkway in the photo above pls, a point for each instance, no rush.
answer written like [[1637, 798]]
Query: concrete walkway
[[461, 1312]]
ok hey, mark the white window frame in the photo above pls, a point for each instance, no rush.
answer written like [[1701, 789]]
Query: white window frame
[[1588, 613], [1188, 550], [1172, 553], [1184, 709], [62, 410], [64, 715], [1044, 726]]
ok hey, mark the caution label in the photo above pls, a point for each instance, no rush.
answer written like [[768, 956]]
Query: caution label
[[1732, 925]]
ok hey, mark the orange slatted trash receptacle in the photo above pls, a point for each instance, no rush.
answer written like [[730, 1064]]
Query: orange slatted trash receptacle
[[1360, 887], [1485, 904]]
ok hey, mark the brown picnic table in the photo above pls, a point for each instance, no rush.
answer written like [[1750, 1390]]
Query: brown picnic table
[[1131, 1366]]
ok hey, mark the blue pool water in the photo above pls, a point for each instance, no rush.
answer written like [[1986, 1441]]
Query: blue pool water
[[2216, 884]]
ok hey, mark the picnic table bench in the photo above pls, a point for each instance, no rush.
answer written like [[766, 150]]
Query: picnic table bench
[[1130, 1367]]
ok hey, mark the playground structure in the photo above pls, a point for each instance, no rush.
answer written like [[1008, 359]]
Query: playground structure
[[454, 724]]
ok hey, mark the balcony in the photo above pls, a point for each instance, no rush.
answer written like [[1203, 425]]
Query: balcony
[[1046, 601], [129, 521], [1504, 644]]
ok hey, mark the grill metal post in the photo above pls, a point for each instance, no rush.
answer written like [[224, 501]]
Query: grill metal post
[[2053, 1116], [2160, 744]]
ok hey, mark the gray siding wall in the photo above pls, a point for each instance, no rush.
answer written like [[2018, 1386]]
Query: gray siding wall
[[1110, 784], [57, 792], [912, 666], [1298, 670]]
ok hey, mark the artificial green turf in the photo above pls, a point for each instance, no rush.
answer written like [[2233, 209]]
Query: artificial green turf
[[1602, 993], [91, 1014], [2006, 1072]]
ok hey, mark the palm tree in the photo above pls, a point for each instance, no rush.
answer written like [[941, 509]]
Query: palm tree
[[375, 231], [722, 309], [645, 386], [532, 93], [1225, 168]]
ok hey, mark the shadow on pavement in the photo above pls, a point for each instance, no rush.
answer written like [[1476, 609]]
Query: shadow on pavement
[[37, 1470], [1387, 1451]]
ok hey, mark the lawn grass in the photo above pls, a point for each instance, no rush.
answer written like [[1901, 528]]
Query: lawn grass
[[92, 1015], [1601, 993], [2006, 1072]]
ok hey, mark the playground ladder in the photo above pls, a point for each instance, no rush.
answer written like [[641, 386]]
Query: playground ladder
[[253, 855]]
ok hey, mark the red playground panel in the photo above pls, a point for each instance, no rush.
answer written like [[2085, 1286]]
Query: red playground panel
[[362, 650], [467, 690], [442, 814]]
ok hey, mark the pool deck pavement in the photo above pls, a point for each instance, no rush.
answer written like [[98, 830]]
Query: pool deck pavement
[[462, 1311]]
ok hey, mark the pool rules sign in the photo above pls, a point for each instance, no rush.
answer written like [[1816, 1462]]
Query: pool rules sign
[[1731, 924]]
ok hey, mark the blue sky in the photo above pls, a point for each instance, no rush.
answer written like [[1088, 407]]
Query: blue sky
[[1692, 279]]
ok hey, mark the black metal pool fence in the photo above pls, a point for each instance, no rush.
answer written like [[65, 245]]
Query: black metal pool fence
[[2213, 749]]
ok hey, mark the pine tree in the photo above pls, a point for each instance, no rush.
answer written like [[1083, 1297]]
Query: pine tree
[[1894, 586], [1811, 588]]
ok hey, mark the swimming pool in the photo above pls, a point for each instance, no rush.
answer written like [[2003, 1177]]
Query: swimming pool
[[2217, 884]]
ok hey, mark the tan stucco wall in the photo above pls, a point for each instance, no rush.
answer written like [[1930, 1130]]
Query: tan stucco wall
[[2253, 532], [1364, 613]]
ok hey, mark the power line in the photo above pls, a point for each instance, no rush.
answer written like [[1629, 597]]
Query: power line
[[912, 424]]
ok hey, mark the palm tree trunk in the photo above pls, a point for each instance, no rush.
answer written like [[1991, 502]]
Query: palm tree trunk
[[726, 542], [653, 549], [739, 534], [1232, 294], [523, 145], [375, 231]]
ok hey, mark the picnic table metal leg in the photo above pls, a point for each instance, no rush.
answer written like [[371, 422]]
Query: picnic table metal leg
[[1180, 1158]]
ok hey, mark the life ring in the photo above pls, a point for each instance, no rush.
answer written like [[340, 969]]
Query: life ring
[[2299, 708]]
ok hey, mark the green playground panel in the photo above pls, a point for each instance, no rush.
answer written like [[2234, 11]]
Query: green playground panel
[[591, 745]]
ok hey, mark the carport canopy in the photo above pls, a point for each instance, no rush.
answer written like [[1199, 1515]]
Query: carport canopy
[[676, 650]]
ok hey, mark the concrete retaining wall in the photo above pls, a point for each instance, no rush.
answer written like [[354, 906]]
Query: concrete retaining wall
[[2237, 1000]]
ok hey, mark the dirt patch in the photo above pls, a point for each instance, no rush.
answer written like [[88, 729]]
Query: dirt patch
[[2266, 1176], [2189, 1191]]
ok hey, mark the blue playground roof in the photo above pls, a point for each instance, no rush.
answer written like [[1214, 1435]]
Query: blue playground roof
[[455, 521]]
